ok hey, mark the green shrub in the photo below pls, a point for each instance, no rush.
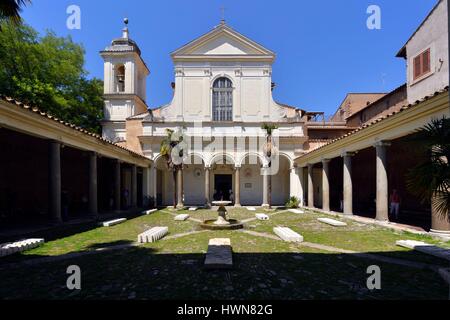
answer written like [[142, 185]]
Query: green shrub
[[293, 202]]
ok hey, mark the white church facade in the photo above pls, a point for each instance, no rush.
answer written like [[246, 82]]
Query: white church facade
[[222, 94]]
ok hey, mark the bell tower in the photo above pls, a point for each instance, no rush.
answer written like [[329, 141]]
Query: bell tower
[[125, 74]]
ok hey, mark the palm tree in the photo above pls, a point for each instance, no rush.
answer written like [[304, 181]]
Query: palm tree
[[10, 10], [169, 146], [431, 178], [269, 149]]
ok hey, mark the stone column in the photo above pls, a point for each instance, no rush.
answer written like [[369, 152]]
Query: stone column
[[265, 172], [237, 186], [440, 225], [117, 186], [154, 183], [310, 186], [133, 186], [180, 204], [348, 186], [93, 204], [326, 184], [55, 181], [382, 182], [302, 186], [294, 183], [207, 199], [146, 183]]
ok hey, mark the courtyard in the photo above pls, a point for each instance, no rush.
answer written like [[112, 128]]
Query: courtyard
[[331, 263]]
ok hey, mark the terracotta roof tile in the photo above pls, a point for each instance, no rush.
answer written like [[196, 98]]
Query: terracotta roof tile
[[370, 123], [37, 111]]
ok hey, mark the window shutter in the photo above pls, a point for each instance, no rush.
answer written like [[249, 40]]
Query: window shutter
[[417, 69], [426, 62]]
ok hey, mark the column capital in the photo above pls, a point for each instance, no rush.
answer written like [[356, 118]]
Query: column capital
[[237, 167], [383, 143], [348, 154], [326, 160]]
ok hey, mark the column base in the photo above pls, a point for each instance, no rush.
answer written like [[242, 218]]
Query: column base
[[442, 234], [347, 213], [237, 205], [180, 206], [265, 206]]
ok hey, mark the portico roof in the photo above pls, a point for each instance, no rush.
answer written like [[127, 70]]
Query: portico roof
[[385, 127], [31, 120]]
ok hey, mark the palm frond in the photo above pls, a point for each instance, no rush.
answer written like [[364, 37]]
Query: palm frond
[[10, 9]]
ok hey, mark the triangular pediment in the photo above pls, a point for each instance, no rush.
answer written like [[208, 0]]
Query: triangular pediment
[[222, 41]]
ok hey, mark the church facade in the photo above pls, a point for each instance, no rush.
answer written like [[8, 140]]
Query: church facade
[[222, 94]]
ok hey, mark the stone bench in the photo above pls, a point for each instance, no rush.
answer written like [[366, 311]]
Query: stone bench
[[262, 216], [219, 255], [193, 208], [251, 209], [7, 249], [426, 248], [181, 217], [287, 234], [113, 222], [297, 211], [153, 234], [147, 212], [332, 222]]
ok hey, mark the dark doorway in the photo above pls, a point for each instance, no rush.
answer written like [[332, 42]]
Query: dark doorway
[[222, 186]]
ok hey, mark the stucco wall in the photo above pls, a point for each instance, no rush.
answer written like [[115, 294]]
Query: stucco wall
[[433, 34]]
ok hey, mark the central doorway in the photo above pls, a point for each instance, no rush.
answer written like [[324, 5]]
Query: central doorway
[[222, 186]]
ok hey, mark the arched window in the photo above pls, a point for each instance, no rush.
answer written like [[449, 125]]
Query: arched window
[[222, 105], [120, 78]]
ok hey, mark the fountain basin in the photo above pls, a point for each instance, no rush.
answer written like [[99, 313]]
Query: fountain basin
[[232, 225]]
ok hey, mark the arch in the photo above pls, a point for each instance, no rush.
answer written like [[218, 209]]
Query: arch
[[288, 158], [119, 77], [222, 99], [195, 155], [222, 155], [261, 158], [222, 75]]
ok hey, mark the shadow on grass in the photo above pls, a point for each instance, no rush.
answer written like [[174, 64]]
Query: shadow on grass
[[141, 273], [56, 232]]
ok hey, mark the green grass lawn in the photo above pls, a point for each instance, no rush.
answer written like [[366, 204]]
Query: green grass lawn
[[263, 267]]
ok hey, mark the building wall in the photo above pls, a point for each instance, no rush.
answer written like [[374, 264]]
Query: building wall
[[433, 34], [389, 103]]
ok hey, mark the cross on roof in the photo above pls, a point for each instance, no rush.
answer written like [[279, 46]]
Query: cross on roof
[[222, 13]]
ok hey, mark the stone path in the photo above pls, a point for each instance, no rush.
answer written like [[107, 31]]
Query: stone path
[[407, 263], [219, 255], [270, 214], [176, 214], [179, 235]]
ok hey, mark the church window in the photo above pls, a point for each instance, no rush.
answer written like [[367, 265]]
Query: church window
[[222, 105]]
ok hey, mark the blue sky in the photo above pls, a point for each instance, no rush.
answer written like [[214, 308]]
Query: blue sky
[[324, 49]]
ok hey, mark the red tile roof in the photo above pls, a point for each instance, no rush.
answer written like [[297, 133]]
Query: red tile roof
[[48, 116]]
